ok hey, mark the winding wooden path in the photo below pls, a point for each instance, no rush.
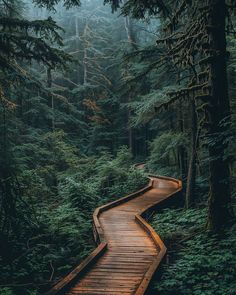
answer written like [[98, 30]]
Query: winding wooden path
[[129, 249]]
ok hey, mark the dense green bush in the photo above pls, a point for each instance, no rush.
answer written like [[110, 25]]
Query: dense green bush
[[57, 232], [163, 153], [200, 263]]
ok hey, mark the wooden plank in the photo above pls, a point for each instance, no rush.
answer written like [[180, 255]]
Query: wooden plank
[[99, 293], [78, 270], [97, 288], [134, 250]]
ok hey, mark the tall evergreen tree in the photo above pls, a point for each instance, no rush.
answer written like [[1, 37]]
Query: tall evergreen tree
[[194, 35]]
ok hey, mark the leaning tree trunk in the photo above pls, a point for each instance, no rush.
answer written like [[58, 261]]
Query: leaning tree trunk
[[219, 109], [191, 178]]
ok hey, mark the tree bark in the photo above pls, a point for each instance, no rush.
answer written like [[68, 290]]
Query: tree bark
[[181, 150], [130, 32], [132, 42], [191, 178], [85, 57], [77, 43], [49, 85], [219, 109]]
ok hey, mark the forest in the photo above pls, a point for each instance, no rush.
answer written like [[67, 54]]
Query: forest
[[89, 89]]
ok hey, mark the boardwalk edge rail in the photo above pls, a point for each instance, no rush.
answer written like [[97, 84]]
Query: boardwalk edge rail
[[154, 236], [99, 237]]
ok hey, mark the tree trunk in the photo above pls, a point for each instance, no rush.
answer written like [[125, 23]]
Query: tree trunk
[[49, 84], [181, 150], [219, 109], [85, 57], [77, 44], [146, 140], [130, 32], [130, 133], [191, 178], [132, 42]]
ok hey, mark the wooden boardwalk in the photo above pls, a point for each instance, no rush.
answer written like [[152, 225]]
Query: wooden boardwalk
[[130, 250]]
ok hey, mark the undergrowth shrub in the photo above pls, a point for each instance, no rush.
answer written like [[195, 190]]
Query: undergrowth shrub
[[200, 263], [57, 231]]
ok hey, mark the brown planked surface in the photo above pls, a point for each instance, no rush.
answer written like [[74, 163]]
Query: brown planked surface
[[132, 253]]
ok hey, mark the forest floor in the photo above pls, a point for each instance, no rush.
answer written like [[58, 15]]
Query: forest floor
[[199, 263]]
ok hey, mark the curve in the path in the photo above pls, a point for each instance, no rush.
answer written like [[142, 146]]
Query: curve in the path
[[129, 251]]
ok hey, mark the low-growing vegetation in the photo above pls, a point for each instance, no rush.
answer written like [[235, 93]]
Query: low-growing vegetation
[[55, 229], [198, 262]]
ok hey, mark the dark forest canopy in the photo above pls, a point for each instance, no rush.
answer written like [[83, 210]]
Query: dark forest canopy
[[89, 88]]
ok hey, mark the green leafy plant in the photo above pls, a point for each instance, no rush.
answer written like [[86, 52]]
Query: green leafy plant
[[199, 262]]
